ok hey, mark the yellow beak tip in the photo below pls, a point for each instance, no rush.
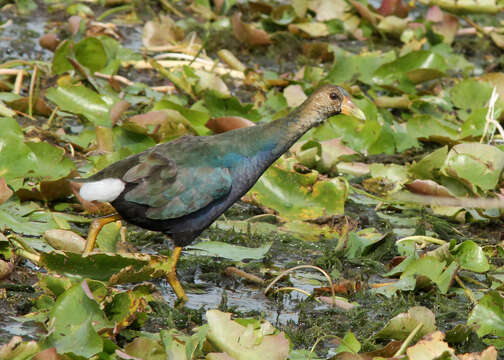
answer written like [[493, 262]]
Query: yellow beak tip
[[350, 109]]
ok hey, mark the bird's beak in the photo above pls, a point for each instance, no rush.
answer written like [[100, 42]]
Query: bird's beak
[[350, 109]]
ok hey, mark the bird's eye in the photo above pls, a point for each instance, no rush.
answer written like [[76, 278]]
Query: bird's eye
[[333, 96]]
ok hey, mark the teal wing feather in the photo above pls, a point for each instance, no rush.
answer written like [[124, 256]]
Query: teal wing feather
[[172, 190]]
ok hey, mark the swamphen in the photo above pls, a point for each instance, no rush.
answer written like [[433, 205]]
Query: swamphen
[[180, 187]]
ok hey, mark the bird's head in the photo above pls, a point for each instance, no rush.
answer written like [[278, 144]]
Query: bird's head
[[330, 100]]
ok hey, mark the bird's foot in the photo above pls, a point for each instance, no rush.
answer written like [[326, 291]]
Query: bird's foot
[[95, 229], [172, 276]]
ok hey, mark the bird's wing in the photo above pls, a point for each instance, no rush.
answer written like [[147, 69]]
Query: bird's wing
[[172, 190]]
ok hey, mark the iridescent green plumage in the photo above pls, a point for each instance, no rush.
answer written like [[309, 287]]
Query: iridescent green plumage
[[182, 186]]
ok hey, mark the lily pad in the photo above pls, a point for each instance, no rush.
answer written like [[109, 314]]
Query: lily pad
[[410, 69], [471, 257], [488, 315], [403, 324], [83, 101], [298, 196], [478, 166], [72, 331], [229, 251], [115, 268], [244, 342]]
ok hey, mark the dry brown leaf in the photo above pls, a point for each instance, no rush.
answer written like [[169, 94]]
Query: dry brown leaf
[[40, 106], [226, 123], [393, 7], [309, 30], [489, 353], [430, 347], [49, 41], [74, 24], [328, 9], [161, 35], [159, 124], [428, 187], [248, 33], [117, 110], [342, 304], [5, 191], [294, 95]]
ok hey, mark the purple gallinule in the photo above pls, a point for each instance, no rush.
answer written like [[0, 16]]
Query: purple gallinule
[[179, 188]]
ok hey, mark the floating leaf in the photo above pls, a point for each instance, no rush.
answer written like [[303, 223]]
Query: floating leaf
[[410, 69], [248, 33], [298, 196], [74, 322], [431, 347], [244, 342], [487, 317], [229, 251], [116, 268], [403, 324], [83, 101], [476, 165], [358, 243], [471, 257]]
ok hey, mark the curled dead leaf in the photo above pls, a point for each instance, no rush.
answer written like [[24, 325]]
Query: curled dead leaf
[[6, 269], [309, 30], [160, 35], [118, 109], [159, 124], [65, 240], [294, 95], [428, 187], [40, 106], [366, 13], [226, 123], [74, 24], [49, 41], [248, 33], [393, 7], [5, 191], [342, 304]]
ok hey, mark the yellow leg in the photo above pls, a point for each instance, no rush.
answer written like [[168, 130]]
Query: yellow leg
[[172, 275], [95, 229]]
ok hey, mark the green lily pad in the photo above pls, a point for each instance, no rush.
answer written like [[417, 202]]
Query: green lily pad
[[358, 243], [91, 53], [245, 342], [115, 268], [428, 266], [74, 322], [430, 164], [51, 164], [358, 135], [229, 251], [471, 257], [478, 166], [349, 344], [362, 66], [403, 324], [488, 315], [410, 69], [83, 101], [298, 196], [431, 128]]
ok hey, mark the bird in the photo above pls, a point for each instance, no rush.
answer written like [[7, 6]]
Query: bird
[[181, 187]]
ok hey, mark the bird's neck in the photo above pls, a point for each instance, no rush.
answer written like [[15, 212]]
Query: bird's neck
[[285, 132]]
